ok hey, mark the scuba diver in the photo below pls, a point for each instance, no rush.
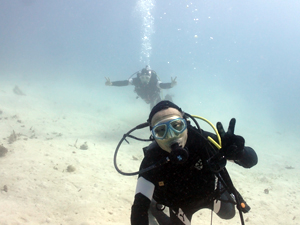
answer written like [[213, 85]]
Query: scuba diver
[[184, 169], [147, 85]]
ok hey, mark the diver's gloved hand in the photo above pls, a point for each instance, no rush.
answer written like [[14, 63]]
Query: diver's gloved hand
[[173, 81], [232, 145], [108, 82]]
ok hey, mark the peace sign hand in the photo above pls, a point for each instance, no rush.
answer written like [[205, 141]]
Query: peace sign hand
[[232, 145], [173, 81], [108, 82]]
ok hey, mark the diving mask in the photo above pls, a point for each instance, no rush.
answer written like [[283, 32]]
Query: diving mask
[[172, 128], [145, 78]]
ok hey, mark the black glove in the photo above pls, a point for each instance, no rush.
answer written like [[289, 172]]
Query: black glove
[[232, 145]]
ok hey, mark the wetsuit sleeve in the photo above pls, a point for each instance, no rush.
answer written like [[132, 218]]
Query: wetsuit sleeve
[[142, 200], [120, 83], [139, 210], [164, 85], [160, 84], [248, 159]]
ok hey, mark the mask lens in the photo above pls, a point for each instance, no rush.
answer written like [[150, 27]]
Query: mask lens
[[160, 131], [178, 125]]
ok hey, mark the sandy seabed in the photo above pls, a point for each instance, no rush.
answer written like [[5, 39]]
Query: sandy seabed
[[48, 177]]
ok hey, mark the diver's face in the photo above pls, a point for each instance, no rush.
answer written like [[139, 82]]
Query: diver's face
[[145, 78], [163, 117]]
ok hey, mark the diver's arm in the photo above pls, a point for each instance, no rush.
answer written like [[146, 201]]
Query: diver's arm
[[248, 159], [167, 85], [120, 83], [164, 85], [139, 210], [142, 200], [117, 83]]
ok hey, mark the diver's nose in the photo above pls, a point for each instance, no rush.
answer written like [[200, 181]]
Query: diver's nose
[[171, 134]]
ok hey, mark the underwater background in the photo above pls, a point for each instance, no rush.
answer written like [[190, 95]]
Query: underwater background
[[249, 50], [231, 59]]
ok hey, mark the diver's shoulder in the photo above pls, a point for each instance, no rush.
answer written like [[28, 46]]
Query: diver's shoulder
[[152, 149]]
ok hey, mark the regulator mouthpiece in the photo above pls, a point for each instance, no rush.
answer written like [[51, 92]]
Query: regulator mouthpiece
[[178, 154]]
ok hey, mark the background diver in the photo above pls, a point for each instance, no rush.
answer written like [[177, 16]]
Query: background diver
[[190, 174], [147, 85]]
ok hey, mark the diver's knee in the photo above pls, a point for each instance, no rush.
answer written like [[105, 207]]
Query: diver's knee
[[227, 211]]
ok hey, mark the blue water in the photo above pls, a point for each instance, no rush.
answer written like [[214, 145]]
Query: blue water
[[231, 59], [249, 49], [219, 50]]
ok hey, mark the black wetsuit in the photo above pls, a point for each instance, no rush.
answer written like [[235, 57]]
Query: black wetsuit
[[150, 92], [184, 188]]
